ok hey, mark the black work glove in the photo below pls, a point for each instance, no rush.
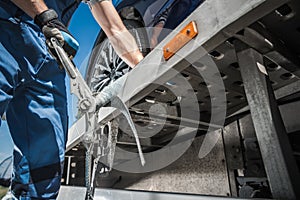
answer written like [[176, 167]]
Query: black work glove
[[52, 27]]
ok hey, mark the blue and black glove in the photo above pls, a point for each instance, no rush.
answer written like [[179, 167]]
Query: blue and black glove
[[52, 27]]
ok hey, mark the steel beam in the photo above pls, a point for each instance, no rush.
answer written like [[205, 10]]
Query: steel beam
[[280, 165], [68, 192], [71, 192], [109, 194], [233, 154]]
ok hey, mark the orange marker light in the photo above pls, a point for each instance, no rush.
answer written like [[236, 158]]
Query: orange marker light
[[182, 38]]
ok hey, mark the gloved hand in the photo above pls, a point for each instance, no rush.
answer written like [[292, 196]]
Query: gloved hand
[[52, 27]]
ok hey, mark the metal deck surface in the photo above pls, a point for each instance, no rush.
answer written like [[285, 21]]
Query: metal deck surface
[[217, 39], [222, 24]]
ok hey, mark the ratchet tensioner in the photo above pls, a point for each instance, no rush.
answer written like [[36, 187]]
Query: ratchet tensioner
[[89, 105]]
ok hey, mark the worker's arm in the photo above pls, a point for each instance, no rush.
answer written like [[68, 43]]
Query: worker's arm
[[123, 42], [31, 7], [155, 34]]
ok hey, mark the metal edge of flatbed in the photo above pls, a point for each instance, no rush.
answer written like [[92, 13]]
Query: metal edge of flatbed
[[216, 21], [69, 192]]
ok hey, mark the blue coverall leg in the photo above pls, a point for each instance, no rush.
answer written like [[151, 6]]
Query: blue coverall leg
[[33, 95]]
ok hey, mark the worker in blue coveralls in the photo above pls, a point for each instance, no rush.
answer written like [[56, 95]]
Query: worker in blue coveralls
[[32, 86]]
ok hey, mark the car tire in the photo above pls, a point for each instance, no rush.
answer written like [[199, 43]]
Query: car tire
[[105, 65]]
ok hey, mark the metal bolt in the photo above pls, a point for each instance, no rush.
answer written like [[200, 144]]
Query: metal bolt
[[167, 49], [188, 31], [85, 105]]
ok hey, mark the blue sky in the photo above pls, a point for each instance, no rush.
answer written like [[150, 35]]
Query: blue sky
[[85, 30]]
